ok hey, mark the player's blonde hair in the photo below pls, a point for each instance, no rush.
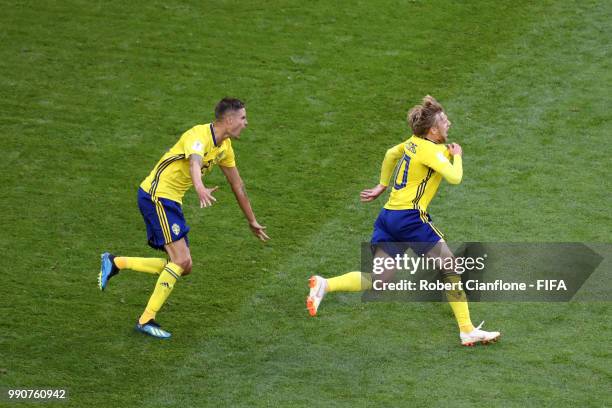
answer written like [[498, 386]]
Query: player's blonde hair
[[422, 117]]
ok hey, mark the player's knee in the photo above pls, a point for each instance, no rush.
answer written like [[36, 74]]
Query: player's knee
[[185, 264], [187, 267]]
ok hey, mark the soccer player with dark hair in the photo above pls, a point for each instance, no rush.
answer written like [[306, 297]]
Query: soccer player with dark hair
[[160, 198], [420, 162]]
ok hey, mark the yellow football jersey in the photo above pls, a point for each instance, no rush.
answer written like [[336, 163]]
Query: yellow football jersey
[[419, 167], [170, 178]]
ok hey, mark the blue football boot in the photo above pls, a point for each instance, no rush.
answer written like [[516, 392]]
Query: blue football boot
[[107, 270], [152, 328]]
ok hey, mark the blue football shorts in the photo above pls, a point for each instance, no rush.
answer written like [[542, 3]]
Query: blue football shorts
[[397, 230], [163, 218]]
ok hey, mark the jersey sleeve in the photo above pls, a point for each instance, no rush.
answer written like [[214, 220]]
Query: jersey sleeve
[[194, 142], [437, 160], [229, 160], [390, 161]]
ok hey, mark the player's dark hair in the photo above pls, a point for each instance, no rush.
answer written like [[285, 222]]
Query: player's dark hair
[[226, 105], [422, 117]]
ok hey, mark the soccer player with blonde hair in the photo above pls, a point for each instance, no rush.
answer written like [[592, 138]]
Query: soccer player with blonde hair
[[420, 162], [160, 201]]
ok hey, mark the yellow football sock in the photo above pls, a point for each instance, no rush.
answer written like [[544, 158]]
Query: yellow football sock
[[458, 302], [148, 265], [349, 282], [163, 288]]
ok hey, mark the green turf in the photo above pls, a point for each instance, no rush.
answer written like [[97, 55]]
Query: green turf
[[93, 93]]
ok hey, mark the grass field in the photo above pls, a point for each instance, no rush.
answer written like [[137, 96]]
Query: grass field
[[94, 92]]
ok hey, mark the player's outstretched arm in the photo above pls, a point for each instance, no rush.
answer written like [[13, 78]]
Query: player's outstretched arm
[[204, 193], [371, 194], [233, 177], [391, 157]]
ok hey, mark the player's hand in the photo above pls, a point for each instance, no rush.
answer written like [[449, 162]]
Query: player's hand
[[454, 149], [372, 194], [206, 197], [259, 231]]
